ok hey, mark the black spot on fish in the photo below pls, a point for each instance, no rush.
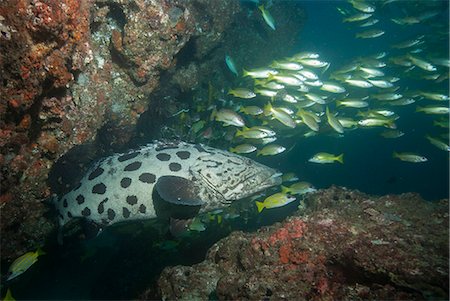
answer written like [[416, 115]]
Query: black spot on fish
[[183, 155], [69, 215], [78, 186], [111, 214], [163, 157], [99, 188], [125, 212], [214, 163], [147, 178], [80, 199], [86, 211], [142, 208], [98, 171], [133, 166], [125, 182], [128, 156], [65, 203], [101, 208], [109, 162], [61, 216], [174, 166], [132, 199]]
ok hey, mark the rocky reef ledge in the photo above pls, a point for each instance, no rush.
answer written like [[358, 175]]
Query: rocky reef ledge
[[339, 245]]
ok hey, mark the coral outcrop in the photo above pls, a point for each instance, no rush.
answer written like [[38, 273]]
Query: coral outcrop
[[340, 245]]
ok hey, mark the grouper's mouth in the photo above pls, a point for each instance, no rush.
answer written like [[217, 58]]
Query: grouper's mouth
[[273, 180]]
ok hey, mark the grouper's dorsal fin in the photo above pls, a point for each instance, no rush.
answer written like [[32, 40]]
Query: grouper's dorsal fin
[[178, 191]]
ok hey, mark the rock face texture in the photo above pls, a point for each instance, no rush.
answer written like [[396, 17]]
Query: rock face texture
[[82, 73], [340, 245]]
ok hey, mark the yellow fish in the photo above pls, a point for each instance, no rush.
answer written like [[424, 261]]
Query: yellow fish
[[275, 200], [409, 157], [322, 158], [267, 17], [243, 149], [242, 93], [270, 150], [23, 263], [334, 122], [298, 188], [8, 296], [279, 115], [438, 143]]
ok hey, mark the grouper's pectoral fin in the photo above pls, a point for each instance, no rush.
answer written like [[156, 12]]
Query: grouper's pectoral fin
[[178, 191]]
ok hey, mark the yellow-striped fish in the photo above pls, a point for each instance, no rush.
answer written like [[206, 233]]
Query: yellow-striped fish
[[275, 200], [23, 263]]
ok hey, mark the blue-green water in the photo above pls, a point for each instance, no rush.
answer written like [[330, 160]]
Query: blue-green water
[[120, 264], [369, 166]]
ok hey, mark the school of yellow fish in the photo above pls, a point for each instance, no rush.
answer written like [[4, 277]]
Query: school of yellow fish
[[305, 95]]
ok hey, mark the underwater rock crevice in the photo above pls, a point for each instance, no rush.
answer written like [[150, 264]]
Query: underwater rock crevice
[[186, 55]]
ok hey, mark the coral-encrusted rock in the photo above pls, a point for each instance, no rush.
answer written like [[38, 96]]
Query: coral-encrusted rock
[[204, 277], [343, 245], [37, 42]]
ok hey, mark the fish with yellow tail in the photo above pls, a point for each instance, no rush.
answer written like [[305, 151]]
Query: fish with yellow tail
[[251, 110], [259, 72], [324, 158], [243, 149], [279, 115], [270, 150], [8, 296], [370, 34], [276, 200], [23, 263], [362, 6], [309, 119], [289, 177], [438, 143], [228, 117], [409, 157], [334, 122], [298, 188], [242, 93], [267, 17], [433, 109]]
